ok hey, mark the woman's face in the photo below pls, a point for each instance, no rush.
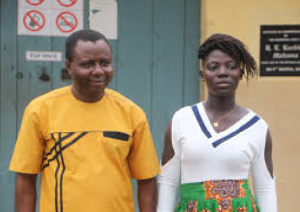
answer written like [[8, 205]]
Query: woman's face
[[221, 74]]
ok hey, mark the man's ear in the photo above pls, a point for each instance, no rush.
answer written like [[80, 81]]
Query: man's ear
[[68, 66], [201, 75]]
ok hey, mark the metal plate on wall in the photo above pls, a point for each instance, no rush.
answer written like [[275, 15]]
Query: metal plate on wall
[[280, 50]]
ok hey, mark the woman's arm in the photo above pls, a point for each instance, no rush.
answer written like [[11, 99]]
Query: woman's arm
[[169, 179], [263, 178]]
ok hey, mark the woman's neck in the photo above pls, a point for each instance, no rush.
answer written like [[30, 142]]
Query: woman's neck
[[220, 104]]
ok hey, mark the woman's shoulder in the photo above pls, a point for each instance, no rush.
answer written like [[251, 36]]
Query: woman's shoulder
[[187, 110], [253, 115]]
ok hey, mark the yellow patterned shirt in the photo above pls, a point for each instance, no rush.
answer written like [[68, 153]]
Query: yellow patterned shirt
[[87, 153]]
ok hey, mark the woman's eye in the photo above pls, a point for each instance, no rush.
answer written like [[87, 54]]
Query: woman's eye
[[232, 67], [212, 67]]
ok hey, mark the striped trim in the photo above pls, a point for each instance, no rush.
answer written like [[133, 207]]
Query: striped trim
[[200, 121], [61, 149], [61, 175], [242, 128], [60, 169]]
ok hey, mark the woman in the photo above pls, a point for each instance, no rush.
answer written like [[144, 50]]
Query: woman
[[211, 146]]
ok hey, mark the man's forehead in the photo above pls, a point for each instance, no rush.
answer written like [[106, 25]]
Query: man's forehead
[[84, 41]]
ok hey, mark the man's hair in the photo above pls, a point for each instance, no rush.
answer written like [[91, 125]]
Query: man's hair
[[84, 35], [234, 48]]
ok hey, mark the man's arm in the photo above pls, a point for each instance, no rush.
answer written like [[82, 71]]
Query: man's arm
[[147, 195], [26, 192]]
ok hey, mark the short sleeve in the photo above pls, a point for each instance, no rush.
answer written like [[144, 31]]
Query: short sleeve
[[143, 161], [28, 152]]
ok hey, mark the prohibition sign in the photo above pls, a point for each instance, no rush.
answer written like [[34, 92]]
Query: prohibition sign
[[66, 22], [35, 2], [34, 20], [67, 3]]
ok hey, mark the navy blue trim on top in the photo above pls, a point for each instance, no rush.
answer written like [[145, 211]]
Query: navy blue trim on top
[[200, 121], [242, 128]]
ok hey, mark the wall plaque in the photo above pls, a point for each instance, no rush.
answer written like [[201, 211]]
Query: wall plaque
[[280, 50]]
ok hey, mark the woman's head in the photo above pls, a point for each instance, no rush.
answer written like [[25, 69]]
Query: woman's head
[[233, 48]]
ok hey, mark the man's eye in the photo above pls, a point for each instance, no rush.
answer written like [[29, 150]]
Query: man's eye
[[87, 65], [104, 64]]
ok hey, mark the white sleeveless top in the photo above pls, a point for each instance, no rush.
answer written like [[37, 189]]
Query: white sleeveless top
[[202, 154]]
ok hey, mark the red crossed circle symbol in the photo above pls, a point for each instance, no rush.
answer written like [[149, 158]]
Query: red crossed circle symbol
[[35, 3], [67, 3], [66, 22], [34, 20]]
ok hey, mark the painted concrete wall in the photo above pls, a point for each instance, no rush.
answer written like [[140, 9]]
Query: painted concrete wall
[[276, 99]]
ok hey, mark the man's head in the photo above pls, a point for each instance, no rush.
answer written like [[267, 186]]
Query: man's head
[[89, 62], [84, 35]]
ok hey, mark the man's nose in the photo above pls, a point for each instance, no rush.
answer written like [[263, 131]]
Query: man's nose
[[98, 69]]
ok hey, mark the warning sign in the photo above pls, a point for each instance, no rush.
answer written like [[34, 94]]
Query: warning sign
[[34, 2], [34, 20], [45, 18], [66, 22], [67, 3]]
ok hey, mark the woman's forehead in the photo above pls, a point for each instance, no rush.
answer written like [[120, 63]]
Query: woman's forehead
[[218, 55]]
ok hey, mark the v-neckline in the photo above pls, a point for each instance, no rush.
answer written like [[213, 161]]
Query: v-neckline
[[210, 127], [217, 138]]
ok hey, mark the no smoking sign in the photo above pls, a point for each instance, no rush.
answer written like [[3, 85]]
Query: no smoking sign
[[66, 22], [67, 3], [34, 2], [42, 18]]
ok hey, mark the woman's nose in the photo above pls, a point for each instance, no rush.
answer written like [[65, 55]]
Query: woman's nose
[[222, 71]]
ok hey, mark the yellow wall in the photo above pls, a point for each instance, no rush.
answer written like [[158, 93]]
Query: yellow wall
[[276, 99]]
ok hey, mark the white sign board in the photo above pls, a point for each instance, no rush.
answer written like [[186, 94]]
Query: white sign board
[[43, 56], [104, 17], [50, 18]]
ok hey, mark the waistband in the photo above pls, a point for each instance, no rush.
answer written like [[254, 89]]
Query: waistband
[[217, 195]]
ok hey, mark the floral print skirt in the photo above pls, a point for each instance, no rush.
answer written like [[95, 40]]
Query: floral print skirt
[[217, 196]]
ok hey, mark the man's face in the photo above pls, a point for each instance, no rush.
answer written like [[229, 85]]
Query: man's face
[[91, 69]]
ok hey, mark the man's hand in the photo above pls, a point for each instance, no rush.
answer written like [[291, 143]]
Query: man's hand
[[25, 192]]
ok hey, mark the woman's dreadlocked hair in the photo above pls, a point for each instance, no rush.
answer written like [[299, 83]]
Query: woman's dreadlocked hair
[[234, 48]]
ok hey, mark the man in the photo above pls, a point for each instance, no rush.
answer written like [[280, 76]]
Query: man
[[86, 140]]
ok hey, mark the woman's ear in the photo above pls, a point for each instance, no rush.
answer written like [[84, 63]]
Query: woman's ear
[[201, 75], [242, 74]]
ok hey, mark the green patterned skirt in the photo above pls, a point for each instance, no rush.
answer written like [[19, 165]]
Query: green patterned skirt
[[217, 196]]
